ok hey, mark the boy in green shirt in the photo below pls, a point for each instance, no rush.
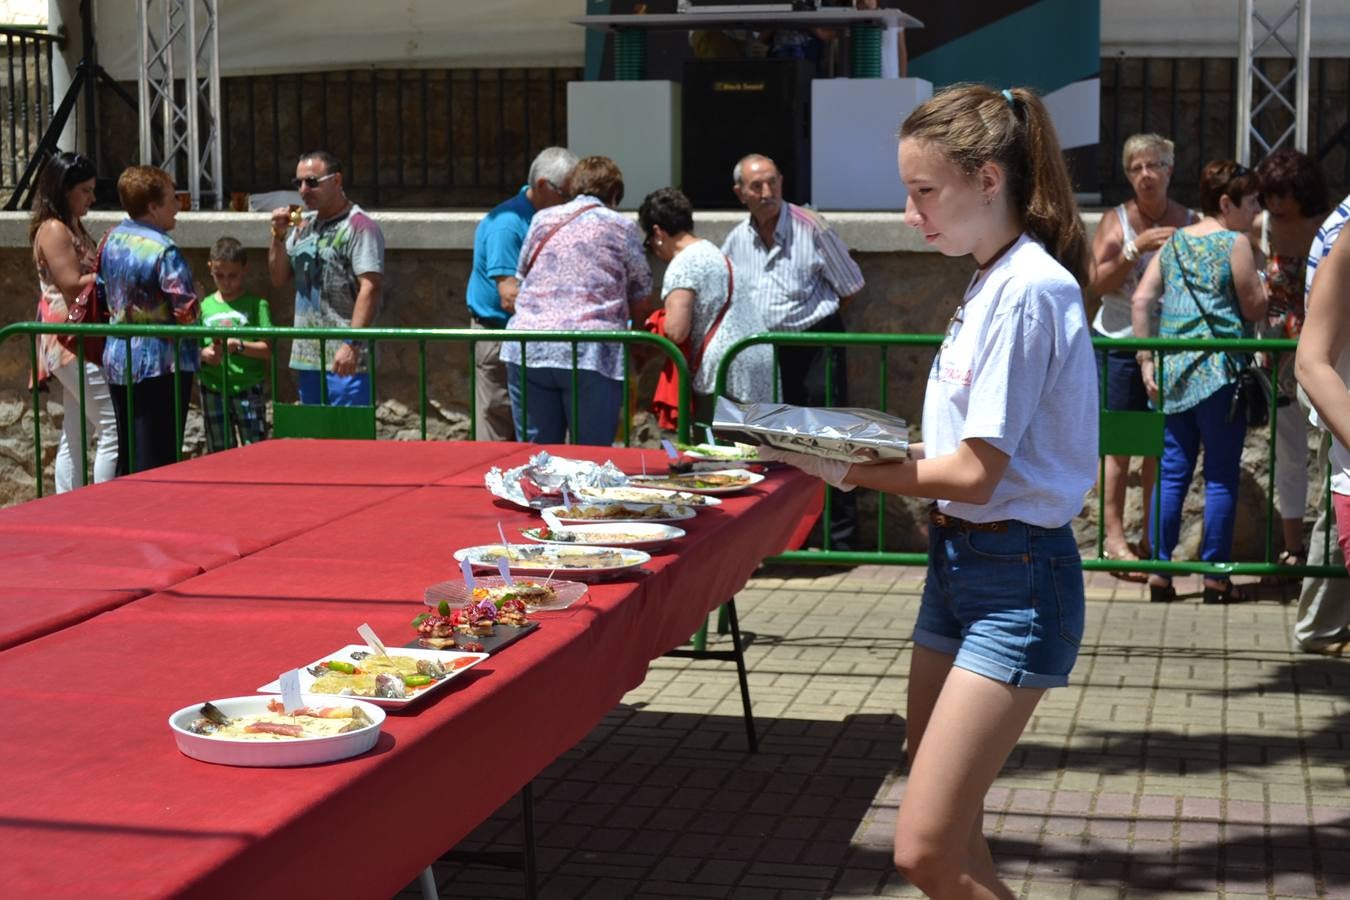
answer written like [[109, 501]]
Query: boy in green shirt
[[233, 367]]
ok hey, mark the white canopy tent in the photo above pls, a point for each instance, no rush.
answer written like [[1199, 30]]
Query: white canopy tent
[[258, 36]]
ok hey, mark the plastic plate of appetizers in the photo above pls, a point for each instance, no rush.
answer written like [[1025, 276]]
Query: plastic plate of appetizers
[[396, 681]]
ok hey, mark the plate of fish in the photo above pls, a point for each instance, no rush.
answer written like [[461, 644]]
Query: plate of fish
[[258, 731], [589, 513], [645, 535], [397, 680], [647, 495], [720, 481], [574, 562]]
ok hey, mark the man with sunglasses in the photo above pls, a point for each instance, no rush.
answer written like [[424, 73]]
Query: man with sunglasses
[[336, 254], [493, 286]]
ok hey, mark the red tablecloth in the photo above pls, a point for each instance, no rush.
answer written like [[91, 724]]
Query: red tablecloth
[[67, 557], [101, 802]]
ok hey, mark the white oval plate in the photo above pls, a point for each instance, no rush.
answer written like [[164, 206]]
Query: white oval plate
[[648, 495], [296, 752], [457, 593], [663, 513], [612, 534], [541, 559], [744, 479]]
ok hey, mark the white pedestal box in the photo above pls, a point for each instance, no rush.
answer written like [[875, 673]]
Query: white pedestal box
[[855, 123], [634, 123]]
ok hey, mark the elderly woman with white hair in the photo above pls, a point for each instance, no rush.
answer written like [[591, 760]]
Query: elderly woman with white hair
[[1126, 240]]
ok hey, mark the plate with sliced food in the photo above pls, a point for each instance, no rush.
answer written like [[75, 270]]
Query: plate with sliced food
[[589, 513], [644, 535], [260, 731], [647, 495], [722, 452], [573, 562], [720, 481], [538, 594], [403, 677]]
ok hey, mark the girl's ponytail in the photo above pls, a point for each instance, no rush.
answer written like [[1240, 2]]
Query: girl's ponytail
[[1050, 211]]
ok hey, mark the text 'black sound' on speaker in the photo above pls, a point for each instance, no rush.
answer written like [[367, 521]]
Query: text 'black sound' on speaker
[[737, 106]]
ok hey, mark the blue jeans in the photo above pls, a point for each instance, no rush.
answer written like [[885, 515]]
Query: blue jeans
[[343, 390], [1008, 605], [1204, 424], [548, 406]]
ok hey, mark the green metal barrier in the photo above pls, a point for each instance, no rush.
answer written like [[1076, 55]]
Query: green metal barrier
[[373, 336], [1143, 434]]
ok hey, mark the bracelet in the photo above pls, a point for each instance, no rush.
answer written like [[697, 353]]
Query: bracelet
[[1131, 251]]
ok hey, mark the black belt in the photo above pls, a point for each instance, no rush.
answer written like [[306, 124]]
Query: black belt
[[942, 520], [485, 323]]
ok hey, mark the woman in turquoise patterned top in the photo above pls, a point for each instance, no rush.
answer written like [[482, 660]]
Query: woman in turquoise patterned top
[[1207, 278]]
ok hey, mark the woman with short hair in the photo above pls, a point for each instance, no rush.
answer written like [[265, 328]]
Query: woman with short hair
[[581, 268], [701, 306], [63, 252], [1296, 200], [147, 282], [1206, 276], [1125, 242]]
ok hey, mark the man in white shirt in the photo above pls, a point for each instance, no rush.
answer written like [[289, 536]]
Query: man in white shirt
[[794, 268]]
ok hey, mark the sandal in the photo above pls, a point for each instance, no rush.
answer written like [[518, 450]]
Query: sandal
[[1161, 591], [1225, 594], [1126, 555], [1297, 557], [1335, 649]]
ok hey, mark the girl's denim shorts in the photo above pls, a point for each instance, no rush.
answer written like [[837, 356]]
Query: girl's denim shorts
[[1007, 604]]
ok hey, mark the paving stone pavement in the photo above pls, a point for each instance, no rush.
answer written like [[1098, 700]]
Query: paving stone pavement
[[1193, 754]]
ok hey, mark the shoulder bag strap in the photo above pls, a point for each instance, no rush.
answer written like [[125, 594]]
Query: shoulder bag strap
[[717, 322], [529, 264], [1209, 322]]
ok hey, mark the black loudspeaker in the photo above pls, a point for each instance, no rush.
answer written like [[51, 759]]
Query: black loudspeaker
[[737, 106]]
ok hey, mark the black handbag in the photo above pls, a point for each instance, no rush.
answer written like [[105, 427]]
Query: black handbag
[[1254, 393]]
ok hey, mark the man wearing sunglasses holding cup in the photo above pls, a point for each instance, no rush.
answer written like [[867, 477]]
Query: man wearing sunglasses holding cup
[[335, 252]]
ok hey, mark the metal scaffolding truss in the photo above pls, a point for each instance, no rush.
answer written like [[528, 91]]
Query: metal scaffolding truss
[[1257, 33], [179, 88]]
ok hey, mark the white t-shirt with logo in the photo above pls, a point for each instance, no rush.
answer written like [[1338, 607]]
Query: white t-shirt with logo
[[1018, 372]]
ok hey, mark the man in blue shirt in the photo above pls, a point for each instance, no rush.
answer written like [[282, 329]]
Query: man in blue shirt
[[493, 286]]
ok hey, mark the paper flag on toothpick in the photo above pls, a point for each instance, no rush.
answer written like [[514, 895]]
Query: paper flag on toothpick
[[670, 449], [372, 640], [290, 690], [467, 568], [567, 498], [707, 430], [552, 521], [505, 568], [501, 533]]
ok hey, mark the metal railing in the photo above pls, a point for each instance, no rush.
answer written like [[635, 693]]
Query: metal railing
[[884, 342], [370, 336], [26, 76]]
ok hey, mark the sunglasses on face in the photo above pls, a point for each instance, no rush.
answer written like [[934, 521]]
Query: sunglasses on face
[[311, 181]]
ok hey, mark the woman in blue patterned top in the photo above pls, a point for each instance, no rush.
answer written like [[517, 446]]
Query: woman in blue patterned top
[[147, 282], [1206, 275]]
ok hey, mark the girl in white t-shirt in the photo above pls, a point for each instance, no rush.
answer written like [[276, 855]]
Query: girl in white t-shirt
[[1009, 450]]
